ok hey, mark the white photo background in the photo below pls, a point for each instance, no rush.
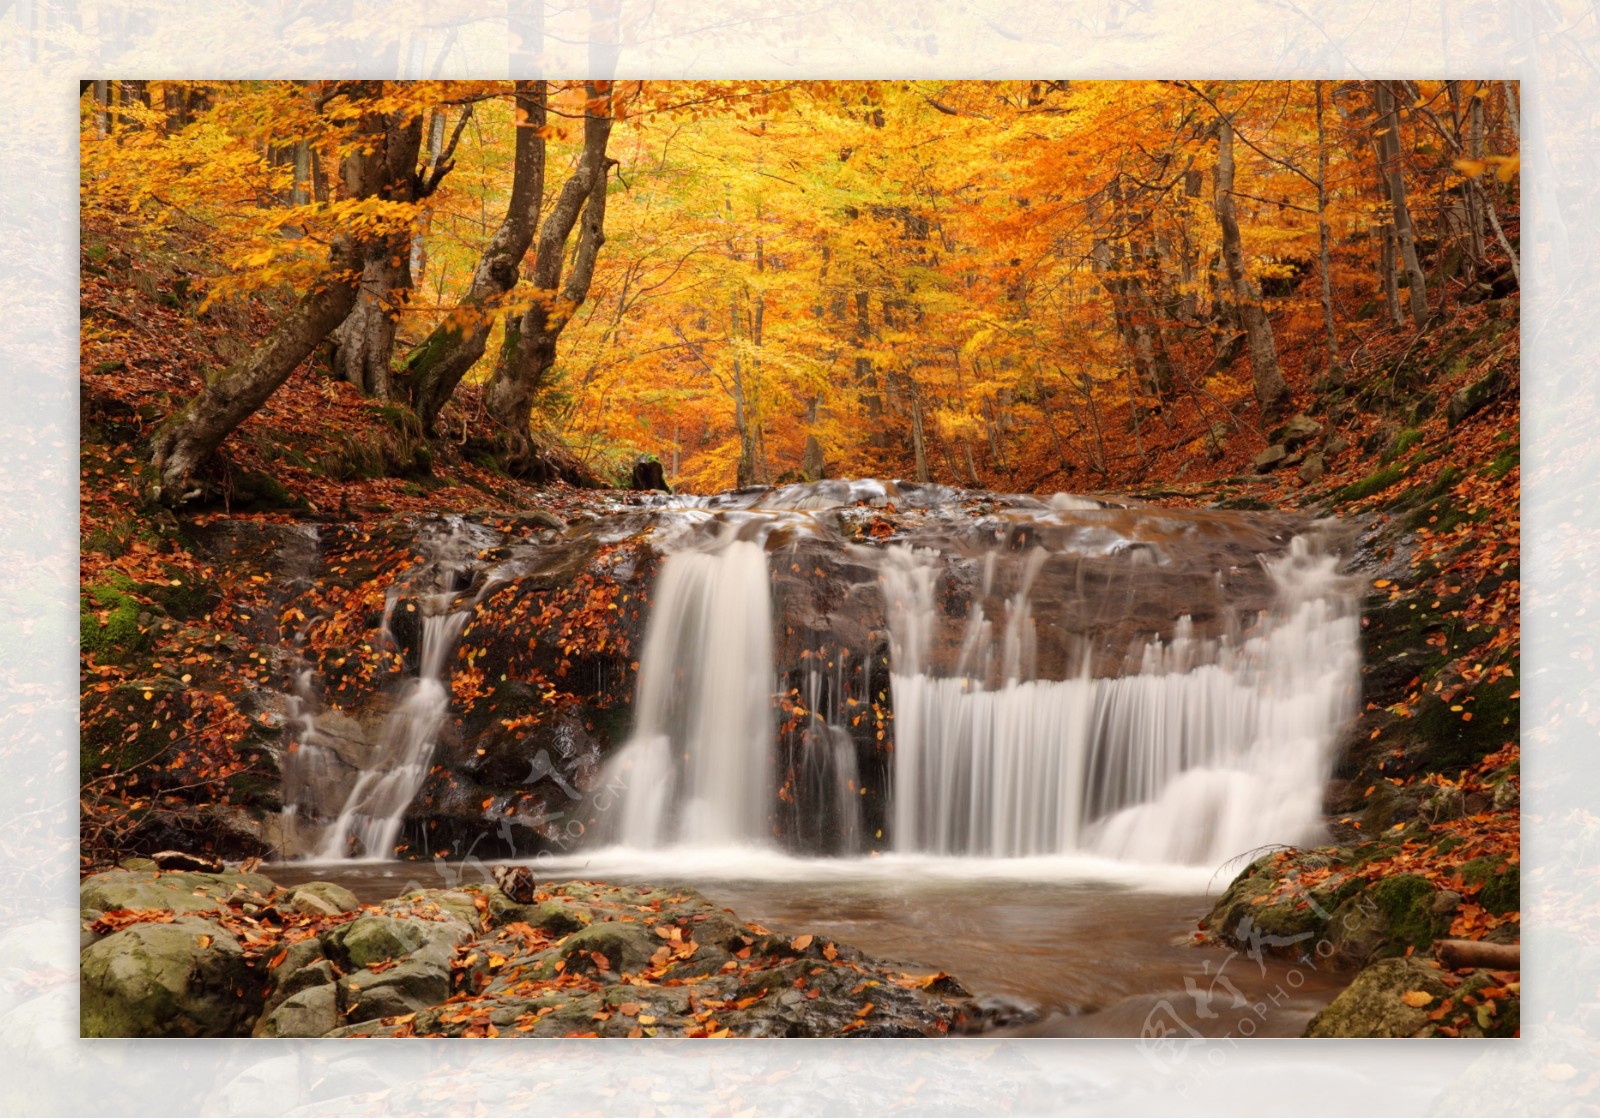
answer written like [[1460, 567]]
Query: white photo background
[[47, 45]]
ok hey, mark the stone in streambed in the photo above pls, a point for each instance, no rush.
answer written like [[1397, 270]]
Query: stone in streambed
[[1271, 458], [1374, 1005], [323, 899], [179, 892], [184, 978], [313, 1012]]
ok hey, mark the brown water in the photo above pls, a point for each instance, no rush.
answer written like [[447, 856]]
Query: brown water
[[1065, 958]]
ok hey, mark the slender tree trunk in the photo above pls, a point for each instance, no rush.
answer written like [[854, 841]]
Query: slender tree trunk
[[190, 436], [102, 107], [1387, 138], [529, 351], [434, 369], [365, 340], [1272, 392], [1324, 256], [919, 447]]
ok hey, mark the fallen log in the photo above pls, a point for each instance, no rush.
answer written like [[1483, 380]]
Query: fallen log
[[183, 860], [1478, 953]]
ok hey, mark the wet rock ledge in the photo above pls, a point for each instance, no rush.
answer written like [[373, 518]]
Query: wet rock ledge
[[190, 954]]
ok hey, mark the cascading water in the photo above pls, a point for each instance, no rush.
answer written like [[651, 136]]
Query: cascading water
[[1012, 731], [981, 675], [393, 768], [697, 769], [370, 821], [1209, 749]]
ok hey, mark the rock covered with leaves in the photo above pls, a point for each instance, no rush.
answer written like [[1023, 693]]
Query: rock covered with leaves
[[194, 955]]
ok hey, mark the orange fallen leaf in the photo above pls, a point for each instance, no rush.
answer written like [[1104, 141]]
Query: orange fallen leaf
[[801, 942], [1416, 998]]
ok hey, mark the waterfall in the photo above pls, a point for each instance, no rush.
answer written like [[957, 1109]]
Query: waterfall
[[391, 769], [697, 769], [370, 821], [1002, 677], [1211, 748]]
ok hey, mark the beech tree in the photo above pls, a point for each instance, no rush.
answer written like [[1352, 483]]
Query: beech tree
[[434, 369], [191, 435], [529, 349]]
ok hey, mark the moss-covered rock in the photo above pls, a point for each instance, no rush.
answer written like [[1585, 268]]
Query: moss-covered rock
[[179, 892], [185, 978], [1499, 883], [1374, 1004]]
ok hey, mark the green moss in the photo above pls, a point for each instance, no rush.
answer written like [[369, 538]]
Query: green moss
[[1401, 443], [120, 635], [1404, 901], [1502, 464], [254, 489], [1252, 504], [1372, 483], [1499, 883], [1452, 741], [185, 596]]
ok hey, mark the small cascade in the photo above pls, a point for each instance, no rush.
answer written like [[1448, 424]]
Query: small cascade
[[389, 770], [824, 798], [697, 769], [370, 821], [843, 668], [1208, 748]]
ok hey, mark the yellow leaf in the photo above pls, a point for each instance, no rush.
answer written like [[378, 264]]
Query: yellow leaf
[[1416, 998], [1508, 168], [1472, 167]]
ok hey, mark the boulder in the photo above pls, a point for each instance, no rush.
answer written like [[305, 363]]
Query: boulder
[[1312, 469], [1468, 400], [184, 978], [1300, 429], [415, 983], [323, 899], [625, 945], [1374, 1005], [178, 892], [1270, 458], [1389, 917], [312, 1012], [369, 940]]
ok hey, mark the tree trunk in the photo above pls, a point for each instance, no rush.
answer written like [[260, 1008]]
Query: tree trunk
[[192, 434], [1387, 140], [1272, 392], [365, 340], [435, 368], [1324, 257], [919, 449], [530, 345]]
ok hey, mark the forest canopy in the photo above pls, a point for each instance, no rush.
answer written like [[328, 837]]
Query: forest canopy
[[1009, 284]]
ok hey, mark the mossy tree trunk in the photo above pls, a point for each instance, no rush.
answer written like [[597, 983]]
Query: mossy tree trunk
[[434, 369], [529, 350]]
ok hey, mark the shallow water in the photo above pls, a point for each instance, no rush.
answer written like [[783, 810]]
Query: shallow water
[[1089, 948]]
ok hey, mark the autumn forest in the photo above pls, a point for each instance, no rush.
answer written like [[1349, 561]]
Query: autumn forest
[[608, 507]]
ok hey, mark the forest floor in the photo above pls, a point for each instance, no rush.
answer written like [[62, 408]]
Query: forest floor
[[1417, 445]]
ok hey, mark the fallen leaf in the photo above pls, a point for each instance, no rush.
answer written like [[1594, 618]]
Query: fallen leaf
[[801, 942], [1416, 998]]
